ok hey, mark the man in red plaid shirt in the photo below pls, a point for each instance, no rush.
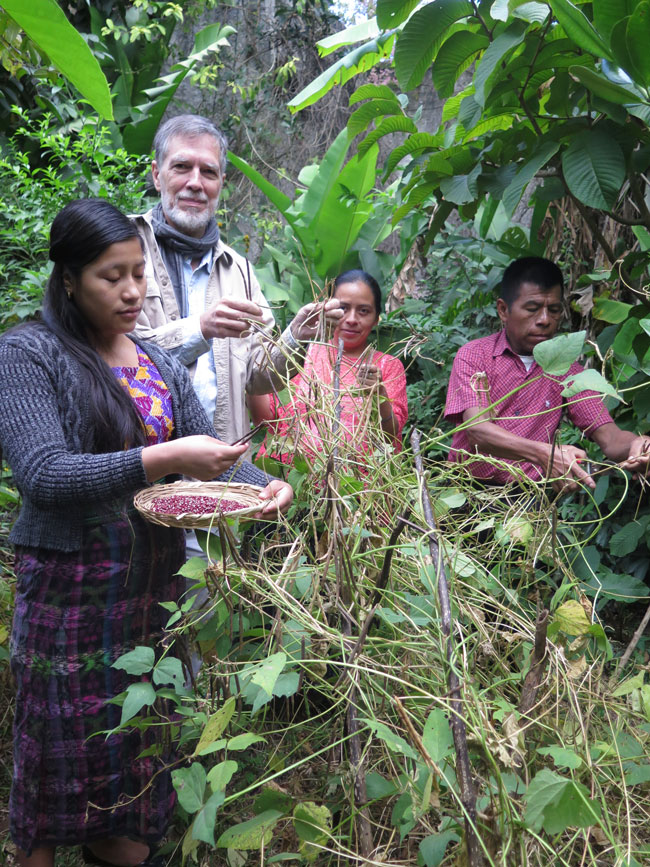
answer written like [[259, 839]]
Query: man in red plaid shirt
[[519, 431]]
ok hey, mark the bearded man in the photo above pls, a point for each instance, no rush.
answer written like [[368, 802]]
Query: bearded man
[[203, 301]]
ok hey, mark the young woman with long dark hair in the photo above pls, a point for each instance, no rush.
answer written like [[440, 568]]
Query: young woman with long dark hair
[[87, 417]]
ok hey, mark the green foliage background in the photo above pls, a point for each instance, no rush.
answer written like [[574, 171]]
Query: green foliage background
[[543, 148]]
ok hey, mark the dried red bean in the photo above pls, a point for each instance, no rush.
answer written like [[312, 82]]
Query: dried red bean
[[182, 504]]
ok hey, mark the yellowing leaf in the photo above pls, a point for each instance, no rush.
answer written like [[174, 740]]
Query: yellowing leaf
[[251, 834], [215, 725], [571, 618]]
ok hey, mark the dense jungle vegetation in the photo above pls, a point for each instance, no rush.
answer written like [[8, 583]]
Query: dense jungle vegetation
[[403, 671]]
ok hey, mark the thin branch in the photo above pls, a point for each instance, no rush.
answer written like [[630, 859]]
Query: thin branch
[[478, 15], [629, 650], [457, 721]]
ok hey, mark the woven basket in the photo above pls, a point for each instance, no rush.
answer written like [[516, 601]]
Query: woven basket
[[247, 495]]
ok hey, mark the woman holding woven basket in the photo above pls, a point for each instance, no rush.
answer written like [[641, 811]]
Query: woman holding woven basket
[[87, 417]]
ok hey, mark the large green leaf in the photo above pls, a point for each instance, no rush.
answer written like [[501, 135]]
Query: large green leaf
[[437, 737], [204, 821], [221, 774], [374, 91], [613, 585], [588, 380], [137, 696], [638, 42], [386, 127], [527, 10], [46, 25], [461, 189], [594, 168], [244, 741], [607, 13], [627, 539], [312, 822], [190, 786], [325, 177], [515, 189], [608, 310], [490, 124], [169, 670], [422, 36], [344, 212], [281, 201], [456, 54], [603, 87], [390, 13], [490, 63], [432, 848], [418, 194], [577, 27], [571, 618], [266, 673], [138, 136], [619, 48], [356, 33], [369, 111], [556, 356], [138, 661], [361, 59], [643, 237], [415, 143], [556, 803], [623, 344]]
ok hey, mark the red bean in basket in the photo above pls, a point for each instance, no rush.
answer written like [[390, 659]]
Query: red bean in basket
[[188, 504]]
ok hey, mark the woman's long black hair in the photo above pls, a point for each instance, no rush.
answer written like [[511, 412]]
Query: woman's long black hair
[[80, 233]]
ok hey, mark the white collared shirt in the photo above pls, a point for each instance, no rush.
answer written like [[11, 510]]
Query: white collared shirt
[[195, 346]]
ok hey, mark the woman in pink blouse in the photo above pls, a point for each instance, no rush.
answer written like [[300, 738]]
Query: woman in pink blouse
[[368, 379]]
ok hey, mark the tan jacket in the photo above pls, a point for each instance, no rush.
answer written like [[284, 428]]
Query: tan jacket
[[242, 364]]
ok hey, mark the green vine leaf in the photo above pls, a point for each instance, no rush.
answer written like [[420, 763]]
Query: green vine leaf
[[138, 661], [190, 786], [137, 696], [588, 380], [555, 803], [555, 356]]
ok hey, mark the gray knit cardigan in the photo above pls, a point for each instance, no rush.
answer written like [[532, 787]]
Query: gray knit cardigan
[[46, 436]]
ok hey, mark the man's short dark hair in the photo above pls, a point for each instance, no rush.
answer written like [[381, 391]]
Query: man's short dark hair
[[189, 126], [530, 269]]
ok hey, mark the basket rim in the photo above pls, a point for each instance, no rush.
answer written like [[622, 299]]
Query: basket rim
[[247, 493]]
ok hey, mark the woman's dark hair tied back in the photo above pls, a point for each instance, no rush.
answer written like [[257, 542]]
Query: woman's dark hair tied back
[[80, 233], [356, 275]]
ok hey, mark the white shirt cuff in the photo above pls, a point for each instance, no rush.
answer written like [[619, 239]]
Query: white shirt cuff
[[194, 343]]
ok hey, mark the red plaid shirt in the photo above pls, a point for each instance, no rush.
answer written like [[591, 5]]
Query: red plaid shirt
[[533, 412]]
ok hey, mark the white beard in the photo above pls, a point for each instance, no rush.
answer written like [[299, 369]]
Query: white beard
[[186, 221]]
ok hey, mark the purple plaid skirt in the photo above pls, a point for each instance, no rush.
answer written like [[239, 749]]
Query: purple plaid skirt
[[75, 614]]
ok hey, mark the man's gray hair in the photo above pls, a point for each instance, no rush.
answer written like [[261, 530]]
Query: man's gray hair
[[189, 126]]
